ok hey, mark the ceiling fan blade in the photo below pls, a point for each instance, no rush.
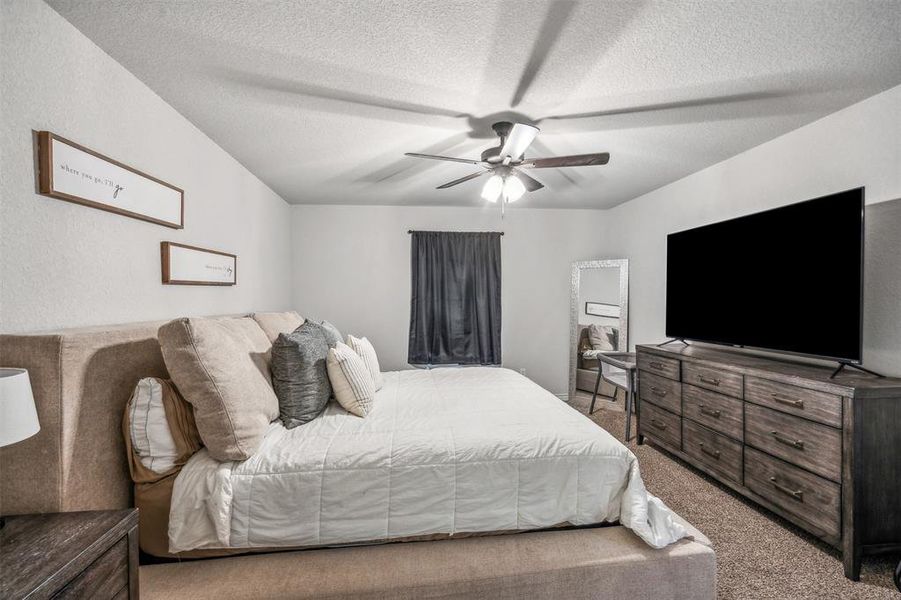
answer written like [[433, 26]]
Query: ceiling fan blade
[[312, 90], [448, 158], [558, 14], [578, 160], [518, 140], [461, 180], [698, 102], [401, 168], [530, 182]]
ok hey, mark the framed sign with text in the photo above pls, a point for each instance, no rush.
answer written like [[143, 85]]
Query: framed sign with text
[[602, 309], [190, 265], [71, 172]]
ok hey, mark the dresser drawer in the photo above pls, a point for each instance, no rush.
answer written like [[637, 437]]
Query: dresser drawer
[[714, 451], [660, 426], [716, 411], [815, 447], [810, 404], [813, 499], [661, 391], [104, 578], [709, 378], [665, 367]]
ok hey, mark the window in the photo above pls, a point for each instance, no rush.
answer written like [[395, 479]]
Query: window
[[455, 309]]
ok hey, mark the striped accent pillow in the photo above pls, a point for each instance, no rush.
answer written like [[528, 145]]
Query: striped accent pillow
[[351, 382], [160, 428], [364, 348]]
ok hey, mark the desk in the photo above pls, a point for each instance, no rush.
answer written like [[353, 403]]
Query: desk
[[625, 379]]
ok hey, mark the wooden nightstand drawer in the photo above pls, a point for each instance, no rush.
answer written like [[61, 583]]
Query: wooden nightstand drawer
[[810, 404], [665, 367], [716, 411], [91, 554], [104, 579], [714, 451], [815, 447], [663, 392], [661, 426], [724, 382], [805, 495]]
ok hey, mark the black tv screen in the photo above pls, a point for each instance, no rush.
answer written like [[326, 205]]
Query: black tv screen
[[788, 279]]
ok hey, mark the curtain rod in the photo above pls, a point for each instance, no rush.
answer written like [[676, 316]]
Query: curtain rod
[[500, 232]]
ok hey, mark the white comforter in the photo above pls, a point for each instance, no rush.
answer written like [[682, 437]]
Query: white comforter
[[443, 451]]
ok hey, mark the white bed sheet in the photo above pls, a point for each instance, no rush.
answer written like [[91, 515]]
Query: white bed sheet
[[443, 451]]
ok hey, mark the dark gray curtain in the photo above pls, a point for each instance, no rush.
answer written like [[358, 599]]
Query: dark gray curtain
[[455, 310]]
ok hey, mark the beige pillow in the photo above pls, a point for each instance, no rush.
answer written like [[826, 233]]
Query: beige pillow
[[221, 367], [274, 323], [253, 339], [351, 382], [363, 347]]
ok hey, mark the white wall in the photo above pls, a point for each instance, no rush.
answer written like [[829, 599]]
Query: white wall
[[598, 285], [65, 265], [352, 267], [860, 145]]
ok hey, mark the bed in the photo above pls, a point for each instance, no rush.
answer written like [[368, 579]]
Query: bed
[[82, 379], [444, 451]]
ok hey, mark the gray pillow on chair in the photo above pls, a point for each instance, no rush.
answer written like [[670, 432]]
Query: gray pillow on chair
[[299, 374], [601, 337]]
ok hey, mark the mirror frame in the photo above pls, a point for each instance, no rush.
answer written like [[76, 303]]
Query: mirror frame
[[575, 280]]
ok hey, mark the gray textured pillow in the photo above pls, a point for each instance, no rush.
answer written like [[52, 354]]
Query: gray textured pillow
[[299, 374], [332, 335]]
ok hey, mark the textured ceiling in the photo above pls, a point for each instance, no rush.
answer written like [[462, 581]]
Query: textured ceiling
[[320, 99]]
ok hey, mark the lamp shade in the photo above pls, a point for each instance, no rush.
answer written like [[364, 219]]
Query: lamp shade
[[18, 416]]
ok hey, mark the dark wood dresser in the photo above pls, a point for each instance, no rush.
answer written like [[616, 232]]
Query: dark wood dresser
[[823, 453], [70, 555]]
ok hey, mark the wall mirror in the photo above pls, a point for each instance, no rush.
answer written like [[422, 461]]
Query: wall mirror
[[599, 319]]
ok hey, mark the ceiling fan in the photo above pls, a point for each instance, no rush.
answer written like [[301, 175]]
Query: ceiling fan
[[506, 161]]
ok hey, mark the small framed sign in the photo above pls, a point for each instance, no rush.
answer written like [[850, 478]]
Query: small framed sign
[[189, 265], [71, 172], [601, 309]]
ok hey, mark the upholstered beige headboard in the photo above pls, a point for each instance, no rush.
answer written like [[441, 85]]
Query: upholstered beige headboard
[[82, 379]]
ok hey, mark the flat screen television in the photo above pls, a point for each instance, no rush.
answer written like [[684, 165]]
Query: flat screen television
[[788, 279]]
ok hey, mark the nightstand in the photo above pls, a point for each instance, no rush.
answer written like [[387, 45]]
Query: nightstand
[[70, 555]]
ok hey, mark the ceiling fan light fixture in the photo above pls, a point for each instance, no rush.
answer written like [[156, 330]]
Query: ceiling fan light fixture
[[513, 189], [493, 188], [505, 163]]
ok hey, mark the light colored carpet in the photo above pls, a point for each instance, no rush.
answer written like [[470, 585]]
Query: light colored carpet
[[759, 555]]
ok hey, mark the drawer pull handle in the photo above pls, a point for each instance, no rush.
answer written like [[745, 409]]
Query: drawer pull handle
[[658, 392], [789, 401], [714, 453], [658, 424], [708, 380], [710, 413], [796, 494], [784, 440], [656, 365]]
